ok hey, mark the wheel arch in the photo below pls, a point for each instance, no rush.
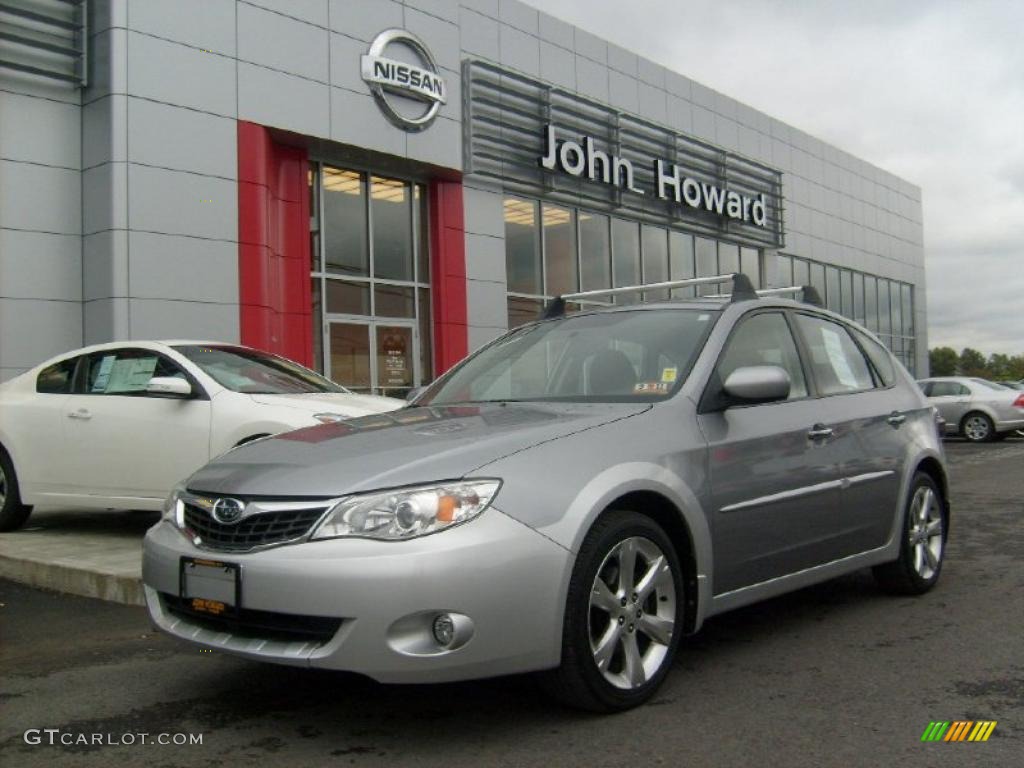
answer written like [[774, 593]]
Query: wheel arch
[[671, 519], [932, 467]]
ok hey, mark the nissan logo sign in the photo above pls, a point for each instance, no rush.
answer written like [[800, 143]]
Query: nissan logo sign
[[227, 511], [387, 76]]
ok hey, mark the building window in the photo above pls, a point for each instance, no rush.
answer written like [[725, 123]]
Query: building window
[[554, 249], [370, 280], [884, 307]]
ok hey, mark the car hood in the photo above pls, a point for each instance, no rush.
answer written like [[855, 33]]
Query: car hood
[[349, 405], [414, 445]]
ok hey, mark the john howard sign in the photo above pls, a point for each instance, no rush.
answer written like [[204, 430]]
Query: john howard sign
[[539, 140], [670, 182]]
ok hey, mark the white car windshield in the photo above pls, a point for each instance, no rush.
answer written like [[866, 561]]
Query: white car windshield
[[256, 373], [640, 355]]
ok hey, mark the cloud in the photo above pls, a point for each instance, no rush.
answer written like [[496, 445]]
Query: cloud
[[931, 91]]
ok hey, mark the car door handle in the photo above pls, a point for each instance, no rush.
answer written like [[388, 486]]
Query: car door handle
[[820, 432], [81, 413], [895, 418]]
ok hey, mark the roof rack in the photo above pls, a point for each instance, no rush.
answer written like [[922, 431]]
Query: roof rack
[[742, 290], [810, 294]]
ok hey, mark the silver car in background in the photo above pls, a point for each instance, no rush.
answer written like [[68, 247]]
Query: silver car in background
[[977, 409], [571, 499]]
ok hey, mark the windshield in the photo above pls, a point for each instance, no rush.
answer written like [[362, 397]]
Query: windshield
[[256, 373], [639, 355]]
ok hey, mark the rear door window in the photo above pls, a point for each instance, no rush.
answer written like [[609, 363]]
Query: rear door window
[[58, 378], [947, 389], [837, 363]]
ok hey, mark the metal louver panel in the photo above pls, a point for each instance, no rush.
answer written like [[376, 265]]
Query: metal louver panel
[[45, 38], [505, 119]]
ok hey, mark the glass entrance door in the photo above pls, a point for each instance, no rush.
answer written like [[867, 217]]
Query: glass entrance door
[[373, 357], [370, 280]]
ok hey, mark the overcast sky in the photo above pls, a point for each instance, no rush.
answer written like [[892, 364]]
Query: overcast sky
[[931, 90]]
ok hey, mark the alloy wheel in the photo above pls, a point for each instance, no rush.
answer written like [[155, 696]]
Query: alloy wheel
[[976, 428], [632, 612], [3, 487], [926, 539]]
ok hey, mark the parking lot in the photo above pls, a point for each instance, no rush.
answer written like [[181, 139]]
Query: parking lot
[[838, 674]]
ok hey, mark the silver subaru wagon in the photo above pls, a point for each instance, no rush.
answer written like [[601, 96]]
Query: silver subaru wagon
[[571, 499]]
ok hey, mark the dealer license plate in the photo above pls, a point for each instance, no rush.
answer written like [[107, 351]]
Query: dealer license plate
[[211, 586]]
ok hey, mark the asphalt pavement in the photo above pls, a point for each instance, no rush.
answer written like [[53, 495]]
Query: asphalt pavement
[[834, 675]]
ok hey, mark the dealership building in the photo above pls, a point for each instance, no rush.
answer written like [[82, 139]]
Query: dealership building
[[375, 188]]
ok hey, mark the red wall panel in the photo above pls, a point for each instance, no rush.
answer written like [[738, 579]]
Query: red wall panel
[[448, 270], [275, 305]]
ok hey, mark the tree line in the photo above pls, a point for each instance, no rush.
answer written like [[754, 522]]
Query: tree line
[[945, 361]]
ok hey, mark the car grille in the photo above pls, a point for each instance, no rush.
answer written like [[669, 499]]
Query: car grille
[[262, 625], [260, 529]]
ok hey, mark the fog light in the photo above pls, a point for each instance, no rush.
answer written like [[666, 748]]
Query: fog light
[[444, 629]]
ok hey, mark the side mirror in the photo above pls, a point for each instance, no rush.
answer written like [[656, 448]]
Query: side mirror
[[169, 386], [413, 393], [757, 384]]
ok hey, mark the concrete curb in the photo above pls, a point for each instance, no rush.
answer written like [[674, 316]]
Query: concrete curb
[[113, 587]]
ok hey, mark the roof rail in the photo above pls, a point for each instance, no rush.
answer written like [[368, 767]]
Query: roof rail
[[742, 289]]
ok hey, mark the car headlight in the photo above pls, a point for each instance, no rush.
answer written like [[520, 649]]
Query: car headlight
[[329, 418], [173, 506], [408, 512]]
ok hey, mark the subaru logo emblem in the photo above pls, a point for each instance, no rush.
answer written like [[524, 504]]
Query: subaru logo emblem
[[227, 511]]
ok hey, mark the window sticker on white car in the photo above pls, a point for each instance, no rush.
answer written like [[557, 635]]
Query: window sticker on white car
[[669, 375], [100, 383], [130, 375], [836, 356]]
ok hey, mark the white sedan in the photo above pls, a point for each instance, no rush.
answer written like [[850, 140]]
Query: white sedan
[[118, 425]]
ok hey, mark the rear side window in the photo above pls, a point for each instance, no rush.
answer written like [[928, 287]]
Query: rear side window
[[879, 357], [764, 339], [57, 378], [926, 387], [838, 364]]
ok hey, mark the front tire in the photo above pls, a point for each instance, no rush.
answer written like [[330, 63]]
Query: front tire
[[623, 616], [923, 541], [13, 513], [977, 427]]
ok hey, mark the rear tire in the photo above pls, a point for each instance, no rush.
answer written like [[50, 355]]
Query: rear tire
[[922, 541], [623, 616], [977, 427], [13, 513]]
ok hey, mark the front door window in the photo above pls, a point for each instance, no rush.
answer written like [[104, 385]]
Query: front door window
[[370, 280]]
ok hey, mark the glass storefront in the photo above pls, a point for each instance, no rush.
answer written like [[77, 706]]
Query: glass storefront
[[553, 249], [369, 262], [885, 307]]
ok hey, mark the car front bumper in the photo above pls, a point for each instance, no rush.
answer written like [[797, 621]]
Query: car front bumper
[[509, 580]]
